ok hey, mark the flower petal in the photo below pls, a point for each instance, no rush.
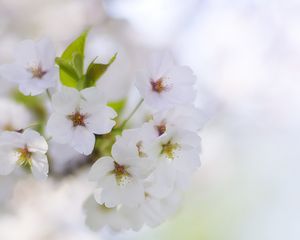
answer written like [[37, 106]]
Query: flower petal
[[83, 140], [26, 54], [66, 101], [93, 94], [60, 128], [132, 193], [100, 168], [46, 53], [11, 139], [39, 167], [99, 122], [34, 141], [8, 160]]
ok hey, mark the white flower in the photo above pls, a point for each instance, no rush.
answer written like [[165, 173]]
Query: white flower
[[154, 211], [33, 68], [179, 158], [181, 148], [119, 182], [181, 117], [13, 116], [77, 116], [26, 149], [140, 144], [164, 84], [120, 177], [99, 216]]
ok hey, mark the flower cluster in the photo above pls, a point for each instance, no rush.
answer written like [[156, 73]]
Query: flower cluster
[[141, 182], [141, 172]]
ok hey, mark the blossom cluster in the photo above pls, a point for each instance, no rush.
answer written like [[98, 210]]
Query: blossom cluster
[[141, 174], [141, 182]]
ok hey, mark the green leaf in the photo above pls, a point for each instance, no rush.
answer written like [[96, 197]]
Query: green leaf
[[118, 106], [78, 64], [72, 61], [96, 70], [68, 70]]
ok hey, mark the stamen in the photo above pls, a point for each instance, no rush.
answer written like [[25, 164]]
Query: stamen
[[8, 127], [158, 85], [169, 148], [122, 176], [37, 72], [77, 119], [139, 146], [24, 156], [161, 129]]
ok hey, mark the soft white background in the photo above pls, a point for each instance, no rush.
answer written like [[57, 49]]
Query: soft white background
[[246, 54]]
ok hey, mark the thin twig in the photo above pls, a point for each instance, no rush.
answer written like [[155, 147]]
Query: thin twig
[[132, 113]]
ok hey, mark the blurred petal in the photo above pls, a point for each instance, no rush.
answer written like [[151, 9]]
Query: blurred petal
[[60, 128], [35, 142], [83, 141], [99, 122], [66, 101], [8, 160], [39, 166], [100, 168]]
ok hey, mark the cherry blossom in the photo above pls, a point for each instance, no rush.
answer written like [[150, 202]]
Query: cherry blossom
[[77, 116], [165, 84], [26, 149], [33, 69]]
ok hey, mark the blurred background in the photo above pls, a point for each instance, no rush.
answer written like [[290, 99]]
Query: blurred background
[[246, 55]]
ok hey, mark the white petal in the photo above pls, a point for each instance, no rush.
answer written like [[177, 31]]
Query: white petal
[[48, 80], [96, 216], [132, 194], [100, 168], [99, 122], [189, 138], [34, 141], [142, 83], [183, 75], [46, 53], [31, 87], [40, 167], [93, 94], [160, 63], [14, 73], [162, 180], [187, 160], [109, 194], [8, 160], [11, 139], [26, 54], [60, 128], [83, 140], [66, 101]]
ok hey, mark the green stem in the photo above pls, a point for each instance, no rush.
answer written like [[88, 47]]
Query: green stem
[[48, 139], [32, 125], [48, 94], [132, 113]]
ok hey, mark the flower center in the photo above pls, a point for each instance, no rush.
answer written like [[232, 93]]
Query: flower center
[[103, 208], [119, 169], [161, 128], [24, 156], [8, 127], [139, 146], [37, 72], [169, 148], [158, 85], [78, 119], [122, 176]]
